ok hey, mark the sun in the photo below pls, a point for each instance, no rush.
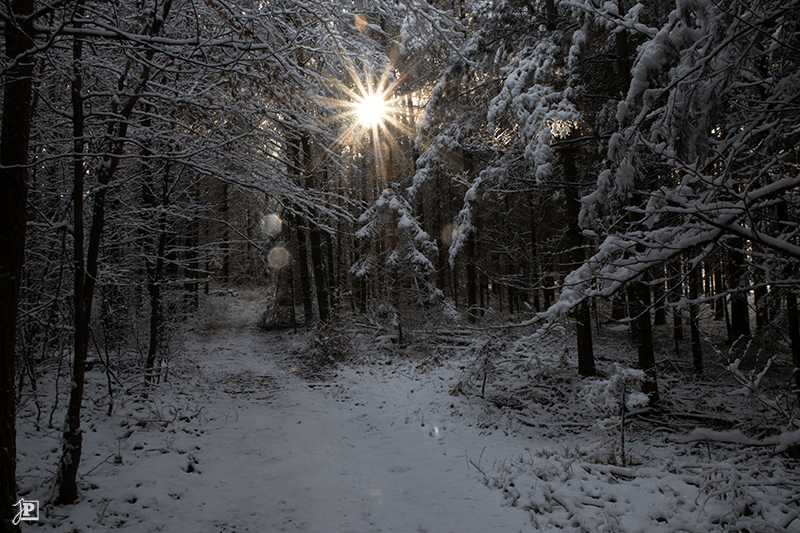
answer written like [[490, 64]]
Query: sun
[[371, 109], [372, 116]]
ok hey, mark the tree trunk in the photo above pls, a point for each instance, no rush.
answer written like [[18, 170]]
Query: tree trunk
[[583, 328], [660, 298], [155, 275], [16, 123], [66, 488], [582, 315], [320, 276], [720, 302], [761, 303], [192, 271], [794, 333], [225, 245], [483, 293], [737, 280], [694, 318], [333, 282], [674, 295], [317, 258], [472, 279], [793, 321], [551, 13], [535, 274], [302, 265], [644, 338]]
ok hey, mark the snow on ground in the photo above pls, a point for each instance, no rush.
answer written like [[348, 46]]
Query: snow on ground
[[239, 441]]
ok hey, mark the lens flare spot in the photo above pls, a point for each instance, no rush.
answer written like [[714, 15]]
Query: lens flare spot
[[271, 225], [361, 22], [278, 257], [433, 431], [449, 234]]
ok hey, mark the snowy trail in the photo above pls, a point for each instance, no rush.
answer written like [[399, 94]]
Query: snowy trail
[[307, 462], [239, 443]]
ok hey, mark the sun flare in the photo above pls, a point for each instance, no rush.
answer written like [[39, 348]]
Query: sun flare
[[371, 113], [371, 110]]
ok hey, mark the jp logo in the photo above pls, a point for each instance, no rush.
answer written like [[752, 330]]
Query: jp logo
[[27, 510]]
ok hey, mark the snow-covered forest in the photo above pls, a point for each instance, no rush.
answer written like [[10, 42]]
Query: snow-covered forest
[[400, 265]]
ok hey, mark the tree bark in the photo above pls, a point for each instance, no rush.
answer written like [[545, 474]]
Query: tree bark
[[582, 315], [674, 295], [535, 274], [644, 338], [472, 279], [794, 334], [226, 238], [720, 302], [155, 277], [317, 258], [737, 280], [66, 488], [694, 318], [16, 125], [551, 13], [660, 299]]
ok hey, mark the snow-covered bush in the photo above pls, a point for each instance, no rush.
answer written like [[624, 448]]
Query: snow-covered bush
[[610, 399], [605, 397], [330, 342], [483, 368]]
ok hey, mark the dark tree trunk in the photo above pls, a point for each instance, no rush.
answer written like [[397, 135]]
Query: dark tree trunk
[[720, 301], [792, 318], [762, 306], [472, 279], [551, 13], [582, 315], [694, 317], [549, 291], [535, 274], [332, 278], [660, 297], [674, 295], [644, 338], [794, 334], [295, 149], [155, 278], [619, 306], [320, 276], [315, 238], [583, 327], [631, 310], [16, 124], [192, 271], [225, 245], [305, 278], [66, 487], [513, 305], [737, 279], [483, 293]]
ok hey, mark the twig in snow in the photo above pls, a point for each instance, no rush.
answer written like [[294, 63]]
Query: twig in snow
[[478, 466]]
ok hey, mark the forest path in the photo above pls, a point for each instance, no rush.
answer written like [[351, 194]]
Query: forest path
[[273, 452]]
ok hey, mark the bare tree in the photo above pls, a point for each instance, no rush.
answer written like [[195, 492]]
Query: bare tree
[[16, 127]]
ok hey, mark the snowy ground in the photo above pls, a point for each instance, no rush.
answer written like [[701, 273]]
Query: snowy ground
[[242, 440]]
